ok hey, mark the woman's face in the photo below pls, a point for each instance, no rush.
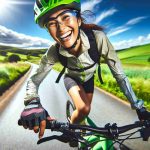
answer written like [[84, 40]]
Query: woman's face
[[63, 26]]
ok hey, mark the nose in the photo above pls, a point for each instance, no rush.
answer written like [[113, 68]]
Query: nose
[[60, 26]]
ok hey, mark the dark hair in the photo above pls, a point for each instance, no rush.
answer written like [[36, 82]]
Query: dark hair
[[89, 25]]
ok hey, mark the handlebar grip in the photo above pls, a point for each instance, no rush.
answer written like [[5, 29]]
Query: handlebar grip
[[49, 124], [54, 125]]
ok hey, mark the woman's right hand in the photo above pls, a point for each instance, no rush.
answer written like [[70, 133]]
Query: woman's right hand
[[34, 117]]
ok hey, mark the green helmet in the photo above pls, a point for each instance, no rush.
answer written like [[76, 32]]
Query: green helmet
[[43, 8]]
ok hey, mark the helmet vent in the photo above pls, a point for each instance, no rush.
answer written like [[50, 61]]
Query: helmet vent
[[35, 13], [46, 1], [39, 4], [55, 1]]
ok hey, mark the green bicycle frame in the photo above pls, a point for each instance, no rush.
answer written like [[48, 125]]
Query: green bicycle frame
[[98, 142]]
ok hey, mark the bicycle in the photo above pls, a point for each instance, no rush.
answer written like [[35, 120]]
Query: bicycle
[[96, 138]]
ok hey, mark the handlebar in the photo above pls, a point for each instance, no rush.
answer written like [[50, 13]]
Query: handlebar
[[108, 130]]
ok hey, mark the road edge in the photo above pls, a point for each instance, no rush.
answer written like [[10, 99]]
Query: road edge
[[5, 98], [113, 96]]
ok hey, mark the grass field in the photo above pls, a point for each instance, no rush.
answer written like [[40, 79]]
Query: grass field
[[138, 77], [135, 55], [33, 59], [136, 64], [10, 73]]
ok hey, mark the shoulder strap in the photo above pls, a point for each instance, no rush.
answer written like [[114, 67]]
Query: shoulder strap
[[63, 61], [93, 51]]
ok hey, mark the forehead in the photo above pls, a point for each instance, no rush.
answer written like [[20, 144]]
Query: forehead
[[55, 14]]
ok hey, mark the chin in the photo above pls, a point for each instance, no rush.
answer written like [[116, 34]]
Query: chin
[[67, 45]]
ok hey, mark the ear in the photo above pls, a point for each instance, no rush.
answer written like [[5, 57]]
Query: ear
[[79, 22]]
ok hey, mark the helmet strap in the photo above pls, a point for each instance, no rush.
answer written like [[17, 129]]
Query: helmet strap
[[75, 43]]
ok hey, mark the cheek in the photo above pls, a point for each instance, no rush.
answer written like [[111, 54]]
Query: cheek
[[74, 26], [53, 35]]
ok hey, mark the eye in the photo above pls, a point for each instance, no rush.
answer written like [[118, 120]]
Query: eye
[[51, 24], [66, 17]]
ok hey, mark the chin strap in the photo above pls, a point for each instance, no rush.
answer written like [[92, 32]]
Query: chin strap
[[75, 43]]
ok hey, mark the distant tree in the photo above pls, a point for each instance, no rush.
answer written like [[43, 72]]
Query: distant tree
[[35, 54], [148, 59], [3, 53], [13, 58], [28, 56]]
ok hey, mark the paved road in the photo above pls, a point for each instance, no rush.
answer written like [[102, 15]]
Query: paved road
[[54, 96]]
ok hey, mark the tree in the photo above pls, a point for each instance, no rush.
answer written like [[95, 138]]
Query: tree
[[28, 56], [148, 59], [13, 58], [3, 53]]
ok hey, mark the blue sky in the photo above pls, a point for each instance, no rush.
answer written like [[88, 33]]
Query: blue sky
[[126, 22]]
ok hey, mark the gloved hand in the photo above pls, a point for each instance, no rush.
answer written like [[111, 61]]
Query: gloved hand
[[143, 114], [34, 117]]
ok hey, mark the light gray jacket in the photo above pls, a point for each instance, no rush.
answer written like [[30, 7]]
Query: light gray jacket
[[83, 60]]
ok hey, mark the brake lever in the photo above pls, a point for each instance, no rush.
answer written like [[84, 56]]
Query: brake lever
[[66, 137], [45, 139], [145, 133]]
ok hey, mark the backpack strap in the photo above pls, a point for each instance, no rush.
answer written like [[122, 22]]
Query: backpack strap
[[93, 51], [63, 61], [60, 75]]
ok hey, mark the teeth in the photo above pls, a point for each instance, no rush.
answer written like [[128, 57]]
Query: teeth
[[65, 35]]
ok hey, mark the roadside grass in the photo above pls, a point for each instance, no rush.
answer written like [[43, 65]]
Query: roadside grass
[[10, 73], [138, 77], [136, 63]]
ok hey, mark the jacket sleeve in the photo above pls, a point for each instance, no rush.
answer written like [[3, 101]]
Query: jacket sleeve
[[45, 66], [110, 56]]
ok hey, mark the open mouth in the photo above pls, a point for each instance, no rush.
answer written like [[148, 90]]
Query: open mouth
[[66, 36]]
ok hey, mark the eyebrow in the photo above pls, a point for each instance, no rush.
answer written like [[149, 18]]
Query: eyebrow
[[54, 18]]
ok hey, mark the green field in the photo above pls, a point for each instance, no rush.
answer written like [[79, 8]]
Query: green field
[[140, 82], [138, 55], [10, 73], [136, 64]]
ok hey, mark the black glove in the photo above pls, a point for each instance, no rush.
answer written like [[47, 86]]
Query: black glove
[[143, 114], [33, 114]]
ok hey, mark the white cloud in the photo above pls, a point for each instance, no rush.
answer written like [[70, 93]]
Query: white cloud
[[11, 38], [90, 4], [132, 42], [135, 20], [105, 14], [118, 31], [18, 2], [125, 27]]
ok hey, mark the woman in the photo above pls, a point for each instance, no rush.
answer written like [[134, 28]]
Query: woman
[[63, 21]]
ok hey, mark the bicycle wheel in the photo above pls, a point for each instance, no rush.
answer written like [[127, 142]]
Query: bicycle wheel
[[69, 109]]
